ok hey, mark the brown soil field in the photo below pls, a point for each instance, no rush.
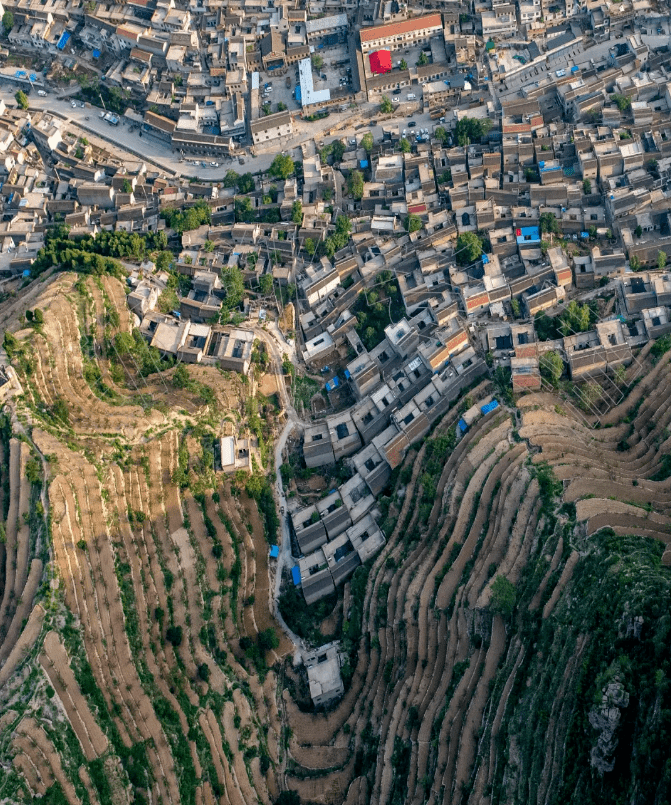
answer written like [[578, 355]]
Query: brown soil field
[[135, 621]]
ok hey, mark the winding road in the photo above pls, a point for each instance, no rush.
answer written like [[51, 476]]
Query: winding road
[[274, 341]]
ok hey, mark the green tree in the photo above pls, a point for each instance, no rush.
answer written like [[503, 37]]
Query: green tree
[[244, 211], [441, 134], [268, 640], [634, 263], [208, 246], [386, 106], [469, 248], [282, 167], [317, 61], [231, 178], [470, 129], [423, 59], [266, 283], [60, 410], [586, 187], [337, 150], [126, 186], [515, 306], [367, 142], [21, 99], [7, 21], [164, 260], [38, 316], [404, 145], [623, 103], [638, 232], [297, 212], [552, 366], [234, 285], [575, 319], [355, 184], [413, 223], [246, 183], [403, 65], [661, 259], [180, 377], [589, 394], [204, 672], [33, 471], [174, 635], [281, 107], [503, 596], [548, 223], [310, 246]]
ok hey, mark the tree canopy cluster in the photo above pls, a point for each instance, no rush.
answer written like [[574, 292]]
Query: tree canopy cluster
[[243, 183], [470, 129], [94, 254], [187, 219], [282, 167], [576, 318], [469, 248]]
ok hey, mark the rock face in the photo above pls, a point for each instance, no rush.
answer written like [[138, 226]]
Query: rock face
[[606, 719]]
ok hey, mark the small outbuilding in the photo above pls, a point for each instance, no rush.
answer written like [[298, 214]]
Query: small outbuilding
[[380, 61]]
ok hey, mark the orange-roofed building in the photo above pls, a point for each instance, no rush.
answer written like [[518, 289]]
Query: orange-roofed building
[[400, 35]]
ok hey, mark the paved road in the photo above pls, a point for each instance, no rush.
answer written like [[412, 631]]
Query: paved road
[[278, 347], [153, 150]]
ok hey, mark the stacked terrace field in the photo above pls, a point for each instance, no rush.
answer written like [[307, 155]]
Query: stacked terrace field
[[141, 684], [495, 535]]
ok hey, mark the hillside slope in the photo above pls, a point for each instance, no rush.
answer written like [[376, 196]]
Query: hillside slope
[[510, 643]]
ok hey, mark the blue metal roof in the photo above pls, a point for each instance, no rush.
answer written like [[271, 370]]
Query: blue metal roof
[[274, 551], [32, 77], [489, 407], [463, 427], [296, 575], [485, 259], [96, 54], [62, 42], [528, 234], [363, 163]]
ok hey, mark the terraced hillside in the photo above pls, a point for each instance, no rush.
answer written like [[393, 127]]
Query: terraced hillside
[[514, 630], [122, 677], [510, 643]]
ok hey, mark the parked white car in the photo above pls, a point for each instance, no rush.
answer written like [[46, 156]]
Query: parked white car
[[41, 93]]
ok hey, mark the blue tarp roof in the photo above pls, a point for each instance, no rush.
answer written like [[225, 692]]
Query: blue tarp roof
[[62, 42], [528, 234], [347, 374], [296, 575], [26, 273], [332, 384], [575, 68], [274, 551], [363, 163], [32, 77], [463, 427], [489, 407], [96, 54], [485, 259]]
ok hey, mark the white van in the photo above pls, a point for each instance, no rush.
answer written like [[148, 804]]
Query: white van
[[41, 93], [412, 96]]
